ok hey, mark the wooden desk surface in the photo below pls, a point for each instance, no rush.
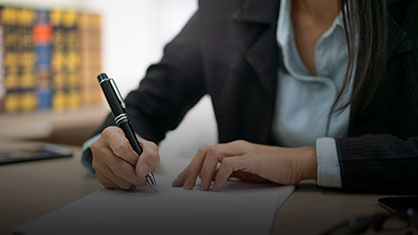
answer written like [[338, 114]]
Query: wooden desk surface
[[29, 190], [43, 124]]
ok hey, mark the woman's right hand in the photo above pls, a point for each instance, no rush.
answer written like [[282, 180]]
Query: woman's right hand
[[117, 165]]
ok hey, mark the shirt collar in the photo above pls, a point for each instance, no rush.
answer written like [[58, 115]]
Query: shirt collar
[[285, 28]]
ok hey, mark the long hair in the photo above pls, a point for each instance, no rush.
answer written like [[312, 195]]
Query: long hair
[[367, 57]]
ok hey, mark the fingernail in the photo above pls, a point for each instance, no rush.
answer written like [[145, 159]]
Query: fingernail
[[143, 169], [176, 181], [187, 184]]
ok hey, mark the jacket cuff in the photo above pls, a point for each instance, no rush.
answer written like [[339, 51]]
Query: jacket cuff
[[329, 174], [87, 156]]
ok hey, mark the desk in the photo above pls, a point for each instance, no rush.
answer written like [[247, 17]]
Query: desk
[[68, 127], [29, 190]]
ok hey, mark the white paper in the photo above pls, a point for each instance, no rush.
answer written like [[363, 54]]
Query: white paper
[[240, 208]]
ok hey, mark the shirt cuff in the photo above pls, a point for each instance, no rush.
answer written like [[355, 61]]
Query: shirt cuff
[[329, 174], [86, 155]]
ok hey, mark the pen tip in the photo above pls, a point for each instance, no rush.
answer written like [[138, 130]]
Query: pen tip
[[151, 182]]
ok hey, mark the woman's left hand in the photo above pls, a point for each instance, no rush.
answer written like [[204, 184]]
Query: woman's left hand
[[249, 162]]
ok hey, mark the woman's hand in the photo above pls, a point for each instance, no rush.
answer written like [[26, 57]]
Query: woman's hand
[[249, 162], [117, 165]]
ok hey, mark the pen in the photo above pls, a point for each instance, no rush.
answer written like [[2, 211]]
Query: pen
[[118, 108]]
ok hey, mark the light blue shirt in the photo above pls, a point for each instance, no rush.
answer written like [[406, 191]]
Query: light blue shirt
[[302, 115]]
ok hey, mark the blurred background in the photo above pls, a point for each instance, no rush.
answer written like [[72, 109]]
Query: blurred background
[[52, 51]]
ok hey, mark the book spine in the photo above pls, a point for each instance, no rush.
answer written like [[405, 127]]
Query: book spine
[[42, 37], [10, 27], [26, 60], [2, 85], [58, 36], [90, 35], [72, 59]]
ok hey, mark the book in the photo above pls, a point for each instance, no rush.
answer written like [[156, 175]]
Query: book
[[2, 85], [26, 60], [58, 79], [42, 37], [72, 59], [90, 53], [10, 59]]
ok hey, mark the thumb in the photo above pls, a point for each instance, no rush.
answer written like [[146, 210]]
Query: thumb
[[147, 162]]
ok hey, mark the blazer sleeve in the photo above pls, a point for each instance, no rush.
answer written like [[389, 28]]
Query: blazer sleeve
[[169, 89], [379, 164]]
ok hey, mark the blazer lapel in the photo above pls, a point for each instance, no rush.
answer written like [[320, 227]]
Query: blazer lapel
[[260, 21]]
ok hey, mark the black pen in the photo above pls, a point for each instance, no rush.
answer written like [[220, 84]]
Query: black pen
[[118, 108]]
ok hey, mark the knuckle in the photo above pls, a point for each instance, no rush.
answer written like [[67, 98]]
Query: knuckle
[[227, 162], [211, 152], [94, 146], [202, 150], [121, 169], [122, 148], [240, 142], [107, 131], [154, 146]]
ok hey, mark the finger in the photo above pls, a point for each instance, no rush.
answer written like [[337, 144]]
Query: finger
[[125, 171], [228, 166], [118, 182], [179, 180], [188, 178], [118, 167], [208, 168], [235, 148], [120, 145], [148, 159]]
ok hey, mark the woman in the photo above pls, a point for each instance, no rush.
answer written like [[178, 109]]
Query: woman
[[301, 89]]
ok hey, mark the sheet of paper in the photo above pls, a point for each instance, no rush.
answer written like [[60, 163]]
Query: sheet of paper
[[240, 208]]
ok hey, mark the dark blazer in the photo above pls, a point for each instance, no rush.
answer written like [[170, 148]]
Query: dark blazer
[[229, 50]]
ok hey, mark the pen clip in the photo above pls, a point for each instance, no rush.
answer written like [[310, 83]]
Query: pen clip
[[115, 88]]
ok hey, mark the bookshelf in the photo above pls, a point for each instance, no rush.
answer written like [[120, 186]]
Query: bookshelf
[[49, 59]]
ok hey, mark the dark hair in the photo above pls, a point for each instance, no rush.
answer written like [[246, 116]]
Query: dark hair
[[367, 57]]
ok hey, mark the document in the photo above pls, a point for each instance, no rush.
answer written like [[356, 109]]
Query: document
[[240, 208]]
